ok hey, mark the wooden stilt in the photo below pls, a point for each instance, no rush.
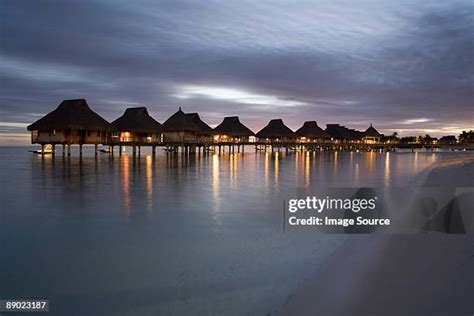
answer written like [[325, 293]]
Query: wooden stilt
[[80, 150], [96, 149], [64, 149]]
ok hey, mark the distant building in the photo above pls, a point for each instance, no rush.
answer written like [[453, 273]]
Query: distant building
[[371, 136], [232, 130], [72, 122], [448, 140], [310, 132], [204, 132], [467, 137], [342, 134], [136, 126], [180, 128], [276, 131]]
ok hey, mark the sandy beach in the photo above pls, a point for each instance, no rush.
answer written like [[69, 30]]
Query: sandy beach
[[430, 273]]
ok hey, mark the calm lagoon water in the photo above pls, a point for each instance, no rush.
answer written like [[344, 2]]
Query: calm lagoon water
[[171, 235]]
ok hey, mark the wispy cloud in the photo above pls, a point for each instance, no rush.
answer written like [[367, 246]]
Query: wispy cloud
[[234, 95], [417, 120], [13, 124]]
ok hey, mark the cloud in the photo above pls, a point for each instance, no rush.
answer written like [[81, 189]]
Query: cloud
[[416, 120], [383, 62], [235, 95]]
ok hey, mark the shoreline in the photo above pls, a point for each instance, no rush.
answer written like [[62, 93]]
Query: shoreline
[[396, 274]]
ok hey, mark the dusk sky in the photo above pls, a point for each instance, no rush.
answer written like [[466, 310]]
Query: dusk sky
[[405, 66]]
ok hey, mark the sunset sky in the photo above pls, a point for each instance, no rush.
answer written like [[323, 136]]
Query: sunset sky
[[405, 66]]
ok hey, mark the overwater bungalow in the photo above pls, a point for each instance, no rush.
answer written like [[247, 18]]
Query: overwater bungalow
[[371, 136], [342, 134], [354, 136], [136, 126], [204, 133], [336, 132], [72, 122], [276, 131], [310, 132], [232, 130], [179, 128]]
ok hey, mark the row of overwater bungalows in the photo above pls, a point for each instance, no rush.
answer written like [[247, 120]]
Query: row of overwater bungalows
[[73, 122]]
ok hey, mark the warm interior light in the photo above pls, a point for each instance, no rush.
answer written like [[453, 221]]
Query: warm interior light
[[125, 137]]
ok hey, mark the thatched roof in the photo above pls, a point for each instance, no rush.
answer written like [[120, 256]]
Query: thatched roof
[[231, 126], [180, 122], [137, 120], [312, 130], [372, 132], [275, 128], [337, 131], [353, 134], [203, 127], [71, 114]]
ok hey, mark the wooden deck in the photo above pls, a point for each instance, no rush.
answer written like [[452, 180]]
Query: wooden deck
[[196, 147]]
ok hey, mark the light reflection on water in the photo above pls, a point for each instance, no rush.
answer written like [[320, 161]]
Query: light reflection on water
[[140, 178], [216, 205], [161, 226], [125, 175], [387, 170], [149, 182]]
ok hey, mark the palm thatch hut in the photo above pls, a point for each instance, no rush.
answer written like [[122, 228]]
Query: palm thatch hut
[[336, 132], [179, 128], [371, 135], [342, 134], [72, 122], [205, 132], [137, 126], [310, 132], [276, 131], [232, 130]]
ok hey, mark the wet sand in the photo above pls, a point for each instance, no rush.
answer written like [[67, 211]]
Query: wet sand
[[429, 273]]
